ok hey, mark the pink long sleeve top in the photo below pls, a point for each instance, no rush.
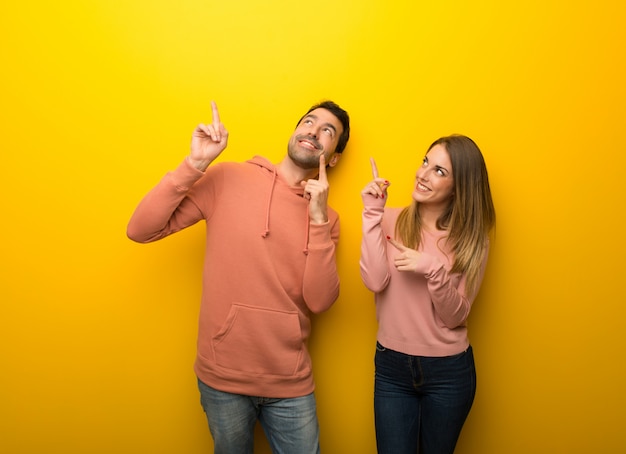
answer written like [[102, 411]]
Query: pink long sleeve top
[[422, 312]]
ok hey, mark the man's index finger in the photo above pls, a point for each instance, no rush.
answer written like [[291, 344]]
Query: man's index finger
[[322, 174], [216, 114]]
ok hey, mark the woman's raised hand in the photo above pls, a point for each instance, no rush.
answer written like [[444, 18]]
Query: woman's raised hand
[[378, 186]]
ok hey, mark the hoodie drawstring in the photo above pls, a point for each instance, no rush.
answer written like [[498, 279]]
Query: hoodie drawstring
[[266, 232], [306, 234]]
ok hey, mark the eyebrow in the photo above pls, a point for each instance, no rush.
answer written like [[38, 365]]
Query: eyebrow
[[330, 125]]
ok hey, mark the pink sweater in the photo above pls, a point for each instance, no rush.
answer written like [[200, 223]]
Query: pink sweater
[[266, 268], [421, 313]]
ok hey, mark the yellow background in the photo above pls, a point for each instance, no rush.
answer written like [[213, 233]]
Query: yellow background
[[99, 98]]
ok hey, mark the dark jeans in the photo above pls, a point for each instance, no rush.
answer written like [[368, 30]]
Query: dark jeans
[[421, 403]]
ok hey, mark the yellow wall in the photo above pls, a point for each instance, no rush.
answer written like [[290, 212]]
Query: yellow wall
[[99, 98]]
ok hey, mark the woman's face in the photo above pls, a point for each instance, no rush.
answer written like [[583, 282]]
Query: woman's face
[[434, 182]]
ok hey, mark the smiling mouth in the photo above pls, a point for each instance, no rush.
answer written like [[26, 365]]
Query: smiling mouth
[[421, 187], [309, 143]]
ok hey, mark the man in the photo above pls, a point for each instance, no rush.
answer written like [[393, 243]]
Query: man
[[269, 264]]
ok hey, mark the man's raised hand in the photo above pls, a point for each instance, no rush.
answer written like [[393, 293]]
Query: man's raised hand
[[208, 141]]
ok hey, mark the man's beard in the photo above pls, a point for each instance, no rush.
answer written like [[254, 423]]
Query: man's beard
[[303, 159]]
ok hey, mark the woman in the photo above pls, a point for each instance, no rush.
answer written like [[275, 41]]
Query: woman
[[425, 264]]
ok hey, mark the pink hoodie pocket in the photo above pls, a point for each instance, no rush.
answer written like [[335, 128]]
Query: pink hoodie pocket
[[260, 341]]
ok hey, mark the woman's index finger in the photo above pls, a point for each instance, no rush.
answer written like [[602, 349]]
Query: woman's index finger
[[374, 168], [399, 246]]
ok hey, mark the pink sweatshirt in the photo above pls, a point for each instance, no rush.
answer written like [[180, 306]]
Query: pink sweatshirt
[[266, 268], [421, 313]]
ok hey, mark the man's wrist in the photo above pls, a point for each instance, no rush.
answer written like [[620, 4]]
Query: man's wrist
[[201, 165]]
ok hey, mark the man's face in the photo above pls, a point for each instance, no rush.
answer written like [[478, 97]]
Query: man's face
[[316, 134]]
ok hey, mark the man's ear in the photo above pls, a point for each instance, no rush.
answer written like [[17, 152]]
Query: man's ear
[[334, 159]]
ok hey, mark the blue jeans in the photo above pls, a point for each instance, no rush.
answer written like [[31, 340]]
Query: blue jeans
[[290, 425], [421, 403]]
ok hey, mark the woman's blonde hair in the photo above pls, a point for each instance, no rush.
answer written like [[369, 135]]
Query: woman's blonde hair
[[468, 218]]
